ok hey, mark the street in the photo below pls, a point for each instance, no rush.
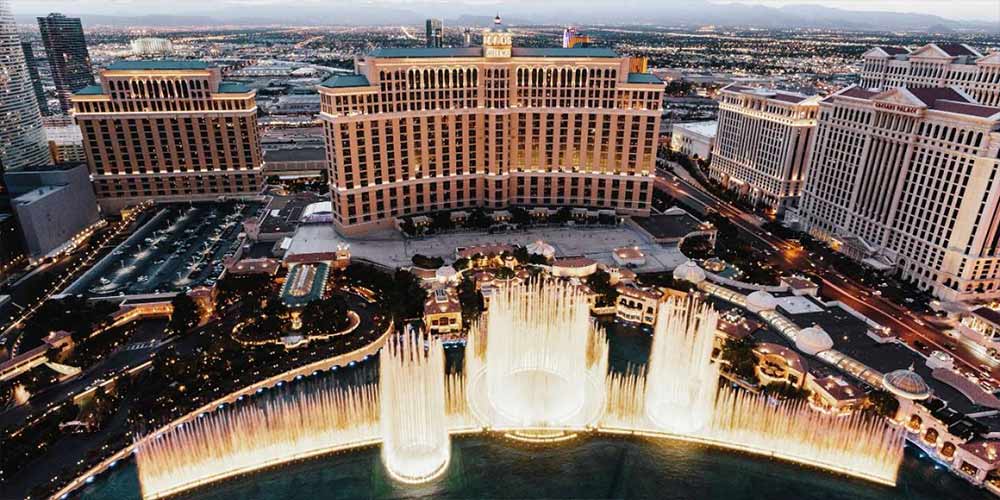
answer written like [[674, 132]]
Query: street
[[835, 286]]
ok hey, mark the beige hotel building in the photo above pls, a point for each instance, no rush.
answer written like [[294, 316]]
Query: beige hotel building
[[428, 129], [934, 65], [907, 178], [762, 144], [168, 131]]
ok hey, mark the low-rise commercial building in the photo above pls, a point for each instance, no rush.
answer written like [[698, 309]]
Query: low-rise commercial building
[[54, 205], [696, 139]]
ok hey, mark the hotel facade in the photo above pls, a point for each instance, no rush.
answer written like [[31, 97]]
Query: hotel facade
[[168, 131], [761, 145], [934, 65], [423, 130], [908, 179]]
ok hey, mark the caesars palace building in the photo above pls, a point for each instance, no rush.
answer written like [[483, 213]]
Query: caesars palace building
[[419, 130]]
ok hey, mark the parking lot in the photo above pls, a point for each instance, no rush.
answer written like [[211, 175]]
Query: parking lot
[[181, 247]]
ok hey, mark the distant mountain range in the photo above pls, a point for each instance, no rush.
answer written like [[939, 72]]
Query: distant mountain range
[[682, 13]]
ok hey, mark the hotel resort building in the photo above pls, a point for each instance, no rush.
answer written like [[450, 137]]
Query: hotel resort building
[[908, 178], [762, 144], [426, 129], [168, 131], [935, 65]]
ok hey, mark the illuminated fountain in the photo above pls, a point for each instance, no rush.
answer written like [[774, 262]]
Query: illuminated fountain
[[415, 442], [537, 363], [254, 437], [681, 379], [536, 368], [857, 445]]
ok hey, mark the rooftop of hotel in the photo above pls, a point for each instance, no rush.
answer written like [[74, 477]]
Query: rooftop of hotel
[[773, 94], [163, 64], [944, 99], [644, 78], [444, 52]]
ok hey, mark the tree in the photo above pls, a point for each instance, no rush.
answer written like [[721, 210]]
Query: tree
[[520, 216], [185, 315], [882, 403], [325, 315], [408, 227], [470, 298], [563, 215], [785, 391], [441, 221], [478, 219], [697, 247], [426, 262], [740, 358], [600, 283], [407, 297], [505, 273]]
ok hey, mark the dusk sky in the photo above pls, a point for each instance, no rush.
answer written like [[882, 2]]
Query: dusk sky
[[984, 10]]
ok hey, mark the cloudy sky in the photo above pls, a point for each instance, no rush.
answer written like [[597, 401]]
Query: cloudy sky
[[983, 10]]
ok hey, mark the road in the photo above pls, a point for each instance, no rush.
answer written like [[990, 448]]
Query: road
[[835, 286]]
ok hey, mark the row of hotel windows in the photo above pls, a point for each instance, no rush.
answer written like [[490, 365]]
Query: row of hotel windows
[[410, 199], [163, 105], [201, 184]]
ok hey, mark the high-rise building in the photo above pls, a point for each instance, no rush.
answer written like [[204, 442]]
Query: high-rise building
[[762, 144], [435, 33], [36, 79], [934, 65], [418, 130], [168, 131], [68, 57], [22, 139], [908, 179], [65, 139], [573, 38], [152, 46], [467, 37]]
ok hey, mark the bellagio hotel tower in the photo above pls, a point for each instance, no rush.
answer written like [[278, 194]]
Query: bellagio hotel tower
[[429, 129]]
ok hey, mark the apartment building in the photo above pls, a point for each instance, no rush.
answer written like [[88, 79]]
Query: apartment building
[[907, 178], [168, 131], [762, 144], [935, 65], [422, 130]]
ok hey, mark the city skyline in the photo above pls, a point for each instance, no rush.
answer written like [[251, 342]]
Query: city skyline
[[961, 10]]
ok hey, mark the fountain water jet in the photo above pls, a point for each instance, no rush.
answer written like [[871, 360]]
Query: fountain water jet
[[681, 378], [538, 361], [415, 443]]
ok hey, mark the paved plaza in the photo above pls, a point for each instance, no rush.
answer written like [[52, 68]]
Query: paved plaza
[[389, 248]]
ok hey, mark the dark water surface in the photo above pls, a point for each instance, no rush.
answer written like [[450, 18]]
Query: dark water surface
[[595, 467]]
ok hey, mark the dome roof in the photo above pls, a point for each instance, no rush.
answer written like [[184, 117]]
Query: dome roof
[[813, 340], [906, 383], [445, 273], [689, 271], [542, 248], [761, 301]]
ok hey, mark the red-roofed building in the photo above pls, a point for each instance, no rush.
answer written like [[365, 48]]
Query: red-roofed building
[[904, 178], [761, 145], [935, 65]]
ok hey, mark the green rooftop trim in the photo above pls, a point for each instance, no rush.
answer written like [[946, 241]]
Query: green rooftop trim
[[644, 78], [90, 90], [420, 52], [563, 52], [344, 81], [155, 65], [316, 287], [233, 88]]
